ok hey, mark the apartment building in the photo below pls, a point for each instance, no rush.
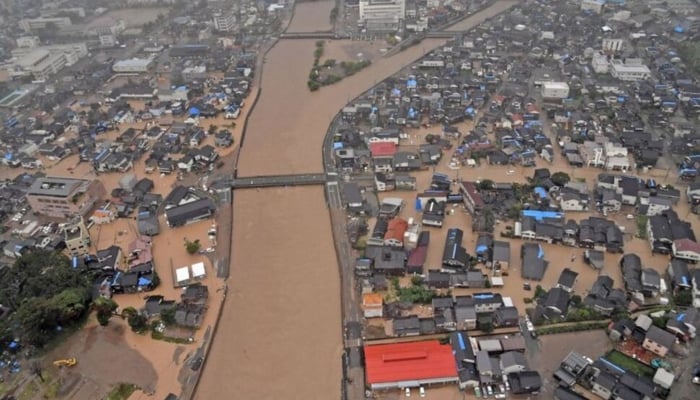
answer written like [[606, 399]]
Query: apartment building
[[64, 197], [224, 22], [34, 24], [382, 15], [77, 238]]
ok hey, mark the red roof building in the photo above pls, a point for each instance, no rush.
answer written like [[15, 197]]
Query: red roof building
[[409, 364], [382, 149]]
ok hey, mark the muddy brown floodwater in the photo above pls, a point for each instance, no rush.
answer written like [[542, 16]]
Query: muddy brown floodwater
[[311, 16], [280, 332]]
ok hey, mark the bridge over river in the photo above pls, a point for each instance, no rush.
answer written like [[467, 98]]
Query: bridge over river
[[268, 181]]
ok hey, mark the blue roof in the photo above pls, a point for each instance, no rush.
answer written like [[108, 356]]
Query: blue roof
[[461, 341], [540, 215], [541, 192], [144, 281]]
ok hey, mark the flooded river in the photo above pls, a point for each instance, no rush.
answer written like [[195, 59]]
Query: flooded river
[[280, 333]]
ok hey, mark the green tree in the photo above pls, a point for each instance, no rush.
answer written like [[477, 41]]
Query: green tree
[[540, 292], [128, 312], [576, 300], [138, 323], [486, 184], [416, 280], [683, 298], [192, 246], [168, 316], [560, 178], [486, 326], [104, 308]]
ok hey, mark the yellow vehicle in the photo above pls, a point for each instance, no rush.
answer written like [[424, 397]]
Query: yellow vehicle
[[68, 362]]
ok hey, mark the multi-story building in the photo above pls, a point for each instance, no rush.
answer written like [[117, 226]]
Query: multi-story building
[[42, 63], [224, 22], [382, 15], [34, 24], [28, 42], [612, 45], [77, 238], [64, 197], [133, 65], [72, 51], [593, 5], [631, 69]]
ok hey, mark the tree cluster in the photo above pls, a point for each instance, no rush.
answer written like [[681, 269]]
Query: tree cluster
[[41, 294]]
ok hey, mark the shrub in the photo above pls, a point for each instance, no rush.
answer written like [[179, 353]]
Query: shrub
[[193, 246]]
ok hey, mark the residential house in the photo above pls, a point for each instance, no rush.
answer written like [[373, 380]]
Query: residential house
[[506, 316], [572, 367], [195, 294], [525, 382], [603, 385], [651, 282], [394, 235], [562, 393], [679, 275], [658, 341], [567, 279], [603, 298], [465, 317], [473, 200], [373, 305], [533, 263], [557, 303], [406, 326], [695, 280], [513, 362], [438, 279], [686, 249], [454, 255]]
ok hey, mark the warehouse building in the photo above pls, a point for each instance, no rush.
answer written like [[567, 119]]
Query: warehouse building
[[412, 364]]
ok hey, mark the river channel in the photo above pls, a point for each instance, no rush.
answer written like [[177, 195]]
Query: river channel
[[280, 333]]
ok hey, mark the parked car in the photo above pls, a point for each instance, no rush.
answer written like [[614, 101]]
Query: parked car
[[408, 392], [421, 391]]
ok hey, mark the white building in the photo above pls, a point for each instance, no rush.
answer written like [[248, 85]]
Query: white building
[[42, 63], [630, 70], [72, 51], [593, 5], [33, 24], [555, 90], [382, 14], [108, 40], [613, 45], [224, 22], [600, 64], [28, 42], [133, 65]]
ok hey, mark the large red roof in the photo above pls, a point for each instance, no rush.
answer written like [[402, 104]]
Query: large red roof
[[382, 149], [412, 361]]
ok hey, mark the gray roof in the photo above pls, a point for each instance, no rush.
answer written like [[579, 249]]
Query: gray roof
[[501, 251], [55, 187], [513, 358], [533, 266], [660, 336]]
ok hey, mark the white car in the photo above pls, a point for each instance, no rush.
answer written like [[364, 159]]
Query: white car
[[408, 392], [421, 391]]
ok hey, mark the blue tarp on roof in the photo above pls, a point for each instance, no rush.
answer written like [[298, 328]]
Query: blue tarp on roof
[[540, 192], [540, 215], [194, 111], [337, 145], [411, 83], [540, 251], [144, 281], [419, 205], [481, 248]]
